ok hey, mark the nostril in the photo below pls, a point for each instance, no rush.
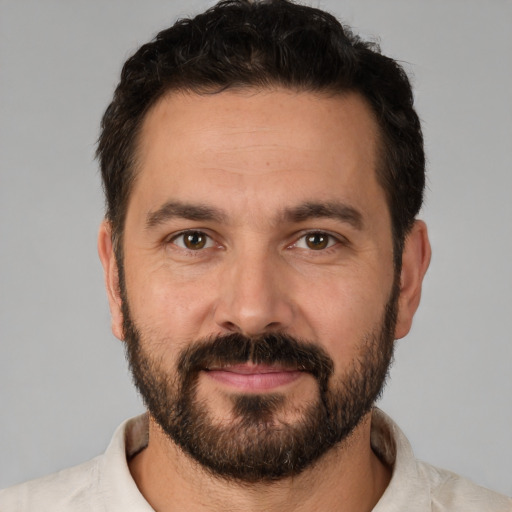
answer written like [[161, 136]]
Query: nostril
[[252, 310], [231, 327]]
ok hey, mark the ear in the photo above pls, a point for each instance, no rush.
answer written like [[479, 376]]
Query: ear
[[415, 262], [111, 273]]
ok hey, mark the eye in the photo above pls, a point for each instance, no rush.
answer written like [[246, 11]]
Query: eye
[[316, 241], [193, 240]]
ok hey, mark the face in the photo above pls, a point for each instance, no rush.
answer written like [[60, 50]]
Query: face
[[258, 293]]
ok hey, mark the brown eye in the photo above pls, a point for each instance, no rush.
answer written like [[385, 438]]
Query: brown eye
[[317, 241], [193, 240]]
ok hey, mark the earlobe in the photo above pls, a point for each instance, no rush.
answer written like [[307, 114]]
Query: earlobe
[[415, 261], [111, 275]]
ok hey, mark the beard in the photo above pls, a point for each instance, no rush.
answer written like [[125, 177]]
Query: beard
[[255, 445]]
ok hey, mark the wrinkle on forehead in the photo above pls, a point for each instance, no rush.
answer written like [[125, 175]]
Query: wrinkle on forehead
[[280, 135], [222, 125]]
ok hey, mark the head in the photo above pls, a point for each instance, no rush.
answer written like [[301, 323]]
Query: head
[[263, 168], [261, 44]]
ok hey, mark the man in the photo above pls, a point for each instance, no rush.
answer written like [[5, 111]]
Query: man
[[263, 169]]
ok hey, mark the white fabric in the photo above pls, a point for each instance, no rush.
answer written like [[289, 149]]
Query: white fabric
[[105, 483]]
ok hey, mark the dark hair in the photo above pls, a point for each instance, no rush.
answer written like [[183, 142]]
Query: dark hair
[[268, 43]]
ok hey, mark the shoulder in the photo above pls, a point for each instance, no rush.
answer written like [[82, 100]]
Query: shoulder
[[103, 483], [417, 486], [451, 492], [70, 490]]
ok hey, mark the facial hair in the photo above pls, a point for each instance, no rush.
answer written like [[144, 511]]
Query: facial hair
[[254, 446]]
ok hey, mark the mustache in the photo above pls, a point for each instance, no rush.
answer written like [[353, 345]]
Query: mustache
[[269, 349]]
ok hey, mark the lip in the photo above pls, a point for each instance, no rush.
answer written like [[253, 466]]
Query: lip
[[250, 377]]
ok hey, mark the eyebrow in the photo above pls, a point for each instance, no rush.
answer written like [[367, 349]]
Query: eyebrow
[[303, 212], [328, 210], [177, 209]]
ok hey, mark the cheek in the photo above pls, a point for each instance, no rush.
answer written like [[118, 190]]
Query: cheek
[[168, 303], [343, 311]]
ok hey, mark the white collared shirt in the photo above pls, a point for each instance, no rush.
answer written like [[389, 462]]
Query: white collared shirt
[[105, 483]]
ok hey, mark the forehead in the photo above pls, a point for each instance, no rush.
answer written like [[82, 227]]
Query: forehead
[[268, 145]]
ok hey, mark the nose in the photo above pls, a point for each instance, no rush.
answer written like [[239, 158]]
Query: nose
[[254, 296]]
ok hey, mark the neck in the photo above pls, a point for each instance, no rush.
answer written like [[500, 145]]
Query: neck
[[350, 477]]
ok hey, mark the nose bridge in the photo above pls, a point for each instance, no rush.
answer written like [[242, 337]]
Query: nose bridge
[[253, 297]]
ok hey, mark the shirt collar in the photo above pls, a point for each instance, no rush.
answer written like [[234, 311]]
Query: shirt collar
[[406, 490]]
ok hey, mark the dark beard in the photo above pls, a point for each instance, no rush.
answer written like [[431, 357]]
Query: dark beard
[[255, 446]]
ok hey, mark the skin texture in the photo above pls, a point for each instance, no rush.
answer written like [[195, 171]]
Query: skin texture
[[252, 157]]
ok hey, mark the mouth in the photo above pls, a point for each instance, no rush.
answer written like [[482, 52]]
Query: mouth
[[254, 377]]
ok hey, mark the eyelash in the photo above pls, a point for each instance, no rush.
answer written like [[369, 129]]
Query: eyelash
[[209, 243], [332, 241]]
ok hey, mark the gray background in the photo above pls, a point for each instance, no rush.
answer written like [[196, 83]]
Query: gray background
[[64, 385]]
